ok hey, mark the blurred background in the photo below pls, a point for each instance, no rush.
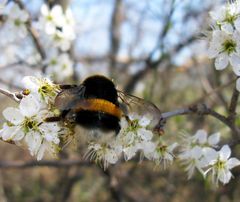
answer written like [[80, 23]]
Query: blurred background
[[152, 49]]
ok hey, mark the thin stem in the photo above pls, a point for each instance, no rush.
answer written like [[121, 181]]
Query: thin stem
[[199, 109], [53, 163], [233, 105], [14, 96]]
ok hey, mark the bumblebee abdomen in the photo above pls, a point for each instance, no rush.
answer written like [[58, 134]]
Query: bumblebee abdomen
[[99, 120]]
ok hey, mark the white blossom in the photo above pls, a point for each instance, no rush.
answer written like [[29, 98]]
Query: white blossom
[[225, 48], [135, 136], [163, 153], [25, 126], [60, 67], [221, 164], [51, 19], [103, 153], [194, 150], [42, 88], [227, 17], [59, 26], [192, 159], [16, 22], [201, 138]]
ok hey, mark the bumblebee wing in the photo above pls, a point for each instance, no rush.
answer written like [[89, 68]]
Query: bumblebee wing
[[132, 104], [67, 98]]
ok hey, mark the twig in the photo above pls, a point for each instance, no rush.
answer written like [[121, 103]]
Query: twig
[[199, 109], [114, 191], [48, 163], [233, 105], [34, 35], [14, 96]]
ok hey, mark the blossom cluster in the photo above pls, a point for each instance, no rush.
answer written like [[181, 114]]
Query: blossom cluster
[[25, 124], [54, 29], [134, 137], [224, 44], [200, 152], [57, 28]]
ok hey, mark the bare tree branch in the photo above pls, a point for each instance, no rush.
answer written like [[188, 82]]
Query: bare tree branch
[[14, 96], [233, 104], [199, 109], [48, 163], [115, 34], [34, 35]]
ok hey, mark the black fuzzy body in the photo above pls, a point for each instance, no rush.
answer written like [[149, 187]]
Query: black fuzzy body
[[101, 88]]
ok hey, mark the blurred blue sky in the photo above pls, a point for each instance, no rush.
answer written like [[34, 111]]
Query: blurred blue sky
[[93, 19]]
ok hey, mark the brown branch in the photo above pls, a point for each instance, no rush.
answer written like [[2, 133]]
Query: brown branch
[[14, 96], [43, 163], [199, 109], [112, 186], [115, 34], [34, 35], [233, 105]]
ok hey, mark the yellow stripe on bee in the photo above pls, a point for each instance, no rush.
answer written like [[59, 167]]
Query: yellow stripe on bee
[[101, 105]]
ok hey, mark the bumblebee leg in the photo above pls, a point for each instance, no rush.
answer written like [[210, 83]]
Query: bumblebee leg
[[67, 86], [53, 119]]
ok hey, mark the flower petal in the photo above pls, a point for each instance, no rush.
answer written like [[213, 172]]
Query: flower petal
[[235, 62], [33, 140], [214, 139], [144, 121], [210, 156], [233, 162], [13, 115], [237, 24], [145, 134], [8, 133], [224, 176], [29, 106], [221, 62], [200, 136], [227, 27], [31, 83], [225, 153]]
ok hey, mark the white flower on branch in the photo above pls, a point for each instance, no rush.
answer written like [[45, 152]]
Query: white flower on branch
[[221, 164], [104, 150], [16, 22], [192, 159], [201, 138], [227, 17], [225, 47], [58, 25], [135, 136], [51, 18], [60, 67], [194, 148], [163, 153], [103, 153], [42, 88], [25, 125]]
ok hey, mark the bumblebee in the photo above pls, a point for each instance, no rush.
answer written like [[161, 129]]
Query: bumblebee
[[97, 104]]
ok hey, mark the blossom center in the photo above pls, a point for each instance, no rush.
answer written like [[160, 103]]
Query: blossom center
[[229, 46], [230, 18], [46, 90], [133, 125], [17, 22], [220, 165], [30, 124]]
